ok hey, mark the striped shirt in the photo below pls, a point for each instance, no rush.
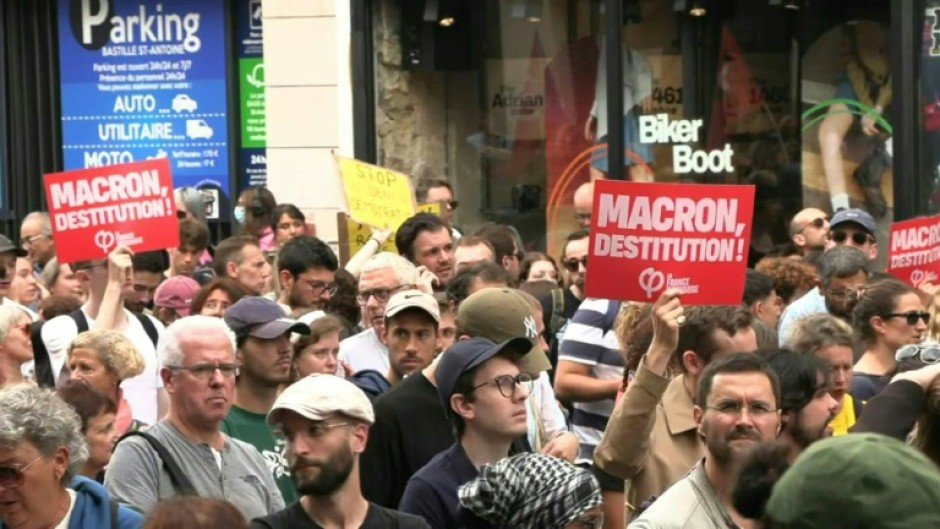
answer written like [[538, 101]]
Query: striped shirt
[[590, 340]]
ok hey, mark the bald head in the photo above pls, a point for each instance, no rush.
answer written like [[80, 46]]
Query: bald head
[[583, 204], [809, 229]]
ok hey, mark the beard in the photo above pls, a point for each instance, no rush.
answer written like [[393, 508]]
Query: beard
[[721, 450], [296, 301], [804, 434], [333, 473]]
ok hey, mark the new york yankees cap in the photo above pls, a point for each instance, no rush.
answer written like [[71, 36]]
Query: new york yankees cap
[[500, 314]]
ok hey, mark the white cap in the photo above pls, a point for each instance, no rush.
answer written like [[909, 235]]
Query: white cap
[[307, 319], [319, 396], [413, 299]]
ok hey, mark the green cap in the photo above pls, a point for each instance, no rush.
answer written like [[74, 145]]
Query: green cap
[[500, 314], [858, 480]]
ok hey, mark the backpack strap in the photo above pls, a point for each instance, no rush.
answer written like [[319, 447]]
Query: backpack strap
[[149, 327], [180, 482], [114, 513], [41, 361], [80, 320], [557, 320]]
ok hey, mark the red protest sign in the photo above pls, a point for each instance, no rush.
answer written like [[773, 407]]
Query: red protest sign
[[914, 255], [94, 210], [648, 237]]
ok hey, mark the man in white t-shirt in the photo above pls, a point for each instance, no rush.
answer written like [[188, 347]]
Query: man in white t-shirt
[[109, 280]]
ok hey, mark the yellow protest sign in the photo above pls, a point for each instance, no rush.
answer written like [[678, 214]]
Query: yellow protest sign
[[375, 196], [354, 235]]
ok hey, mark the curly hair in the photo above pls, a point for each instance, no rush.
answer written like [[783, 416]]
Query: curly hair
[[791, 276], [116, 352], [37, 416]]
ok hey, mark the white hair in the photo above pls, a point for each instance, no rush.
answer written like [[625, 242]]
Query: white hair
[[170, 351], [45, 227], [9, 316], [405, 271]]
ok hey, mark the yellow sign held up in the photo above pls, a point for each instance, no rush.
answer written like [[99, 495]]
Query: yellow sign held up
[[375, 196], [353, 235]]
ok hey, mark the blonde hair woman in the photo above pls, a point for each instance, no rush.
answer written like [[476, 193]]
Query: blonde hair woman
[[104, 359], [15, 347]]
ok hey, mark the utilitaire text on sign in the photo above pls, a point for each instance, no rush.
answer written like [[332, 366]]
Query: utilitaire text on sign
[[646, 238], [94, 210], [914, 253]]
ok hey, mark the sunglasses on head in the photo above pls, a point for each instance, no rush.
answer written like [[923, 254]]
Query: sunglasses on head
[[572, 264], [860, 239], [911, 316], [11, 475], [926, 353]]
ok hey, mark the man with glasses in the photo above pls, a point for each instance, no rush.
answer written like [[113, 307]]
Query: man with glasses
[[483, 392], [36, 238], [199, 369], [736, 408], [425, 240], [439, 191], [856, 228], [382, 275], [809, 230], [306, 268], [843, 270], [326, 421], [263, 350]]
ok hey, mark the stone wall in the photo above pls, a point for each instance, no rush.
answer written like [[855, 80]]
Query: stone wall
[[410, 107]]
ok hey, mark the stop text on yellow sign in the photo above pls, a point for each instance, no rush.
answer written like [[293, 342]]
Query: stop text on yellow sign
[[375, 196]]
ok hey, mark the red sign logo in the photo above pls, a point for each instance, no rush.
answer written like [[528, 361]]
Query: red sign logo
[[648, 237], [914, 255], [93, 211]]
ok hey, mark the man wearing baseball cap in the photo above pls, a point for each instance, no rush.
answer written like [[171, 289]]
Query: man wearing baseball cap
[[412, 318], [173, 298], [326, 421], [854, 227], [263, 349], [483, 391]]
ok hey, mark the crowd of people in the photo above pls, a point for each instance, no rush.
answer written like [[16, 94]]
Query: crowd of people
[[460, 382]]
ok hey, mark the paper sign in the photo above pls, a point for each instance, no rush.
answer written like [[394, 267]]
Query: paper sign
[[648, 237], [914, 255], [375, 196], [355, 234], [94, 210]]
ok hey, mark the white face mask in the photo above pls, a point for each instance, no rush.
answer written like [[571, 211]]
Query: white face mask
[[240, 214]]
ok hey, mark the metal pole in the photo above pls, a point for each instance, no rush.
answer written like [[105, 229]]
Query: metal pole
[[910, 183], [615, 110]]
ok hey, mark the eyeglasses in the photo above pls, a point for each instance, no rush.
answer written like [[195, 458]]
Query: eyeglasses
[[29, 241], [12, 475], [506, 384], [206, 371], [592, 521], [452, 204], [316, 430], [844, 293], [380, 294], [928, 353], [817, 223], [571, 265], [859, 238], [320, 287], [911, 316], [582, 217], [733, 408], [519, 255]]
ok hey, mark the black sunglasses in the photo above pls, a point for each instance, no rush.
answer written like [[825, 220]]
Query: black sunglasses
[[572, 264], [911, 316], [860, 239], [816, 223]]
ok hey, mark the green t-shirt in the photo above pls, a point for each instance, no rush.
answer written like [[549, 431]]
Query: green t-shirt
[[251, 428]]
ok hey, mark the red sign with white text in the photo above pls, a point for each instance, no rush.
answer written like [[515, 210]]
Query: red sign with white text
[[92, 211], [648, 237], [914, 250]]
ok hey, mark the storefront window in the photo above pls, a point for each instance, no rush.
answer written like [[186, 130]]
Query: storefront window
[[930, 102], [508, 102]]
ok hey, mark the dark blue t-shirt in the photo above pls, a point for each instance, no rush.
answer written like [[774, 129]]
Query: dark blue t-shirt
[[432, 492]]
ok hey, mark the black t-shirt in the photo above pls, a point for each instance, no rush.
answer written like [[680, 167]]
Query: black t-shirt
[[295, 517], [410, 429]]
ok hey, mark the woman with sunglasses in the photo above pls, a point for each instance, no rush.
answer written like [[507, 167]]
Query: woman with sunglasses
[[104, 359], [889, 315], [532, 491], [15, 346], [41, 451]]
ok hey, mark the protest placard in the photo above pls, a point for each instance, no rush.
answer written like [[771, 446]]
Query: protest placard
[[914, 250], [353, 235], [648, 237], [92, 211], [375, 196]]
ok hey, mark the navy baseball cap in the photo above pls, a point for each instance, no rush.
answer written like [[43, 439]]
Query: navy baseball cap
[[467, 354], [262, 318], [858, 216]]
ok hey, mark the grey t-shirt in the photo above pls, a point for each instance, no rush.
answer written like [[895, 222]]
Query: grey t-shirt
[[136, 475]]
